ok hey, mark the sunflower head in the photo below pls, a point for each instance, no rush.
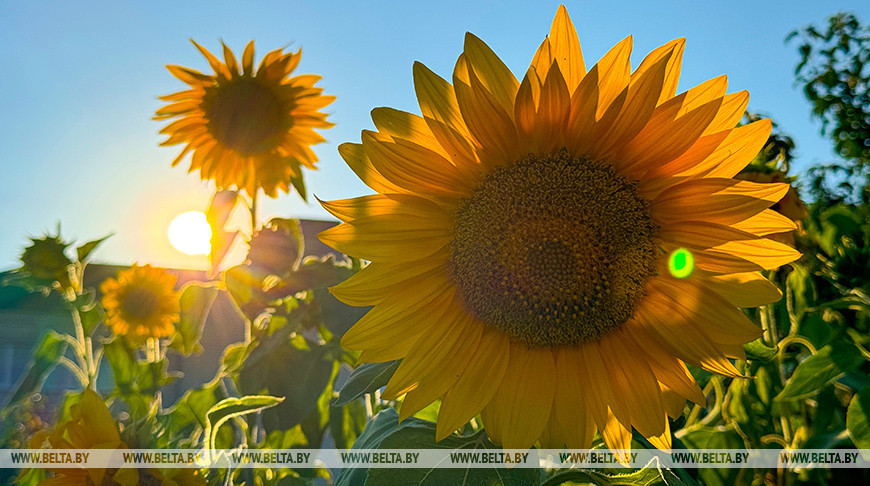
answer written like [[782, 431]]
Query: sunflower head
[[141, 302], [45, 259], [276, 247], [247, 128], [521, 236]]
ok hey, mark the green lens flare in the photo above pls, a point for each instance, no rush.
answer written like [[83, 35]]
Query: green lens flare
[[681, 263]]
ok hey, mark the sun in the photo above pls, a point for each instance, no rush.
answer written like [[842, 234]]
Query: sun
[[190, 233]]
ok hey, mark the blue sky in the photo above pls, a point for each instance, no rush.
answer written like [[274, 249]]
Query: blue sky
[[81, 81]]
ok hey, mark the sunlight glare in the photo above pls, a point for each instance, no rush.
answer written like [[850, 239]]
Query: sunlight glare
[[190, 233]]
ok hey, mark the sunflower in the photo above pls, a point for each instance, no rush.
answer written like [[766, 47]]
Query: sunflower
[[90, 426], [247, 129], [141, 303], [45, 260], [520, 235]]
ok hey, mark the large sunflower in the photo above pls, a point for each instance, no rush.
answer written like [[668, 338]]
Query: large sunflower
[[520, 236], [141, 302], [247, 129]]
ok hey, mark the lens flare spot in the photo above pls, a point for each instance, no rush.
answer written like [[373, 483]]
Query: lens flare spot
[[190, 233], [681, 263]]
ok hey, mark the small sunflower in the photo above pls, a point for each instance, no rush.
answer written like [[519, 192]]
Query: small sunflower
[[520, 235], [141, 302], [90, 426], [247, 129], [45, 259]]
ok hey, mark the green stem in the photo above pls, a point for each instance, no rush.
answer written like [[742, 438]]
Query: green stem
[[254, 211], [153, 355], [84, 350], [74, 369]]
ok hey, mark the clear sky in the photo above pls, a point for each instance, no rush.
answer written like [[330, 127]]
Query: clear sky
[[81, 79]]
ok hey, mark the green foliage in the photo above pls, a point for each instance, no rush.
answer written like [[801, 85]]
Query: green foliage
[[858, 420], [835, 75], [230, 408], [820, 369], [366, 378], [385, 432], [45, 358], [196, 301]]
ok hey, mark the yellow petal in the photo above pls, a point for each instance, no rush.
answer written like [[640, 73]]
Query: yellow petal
[[663, 440], [378, 281], [673, 51], [617, 435], [485, 118], [732, 110], [413, 167], [492, 73], [565, 49], [633, 382], [686, 165], [718, 200], [190, 76], [443, 376], [747, 289], [663, 140], [641, 99], [614, 71], [713, 239], [520, 409], [572, 413], [526, 106], [596, 381], [476, 385], [767, 222], [437, 357], [396, 237], [217, 66], [553, 111], [738, 149], [400, 124], [230, 59], [542, 59], [437, 98], [355, 157], [683, 339], [579, 137], [248, 59], [716, 317], [389, 319]]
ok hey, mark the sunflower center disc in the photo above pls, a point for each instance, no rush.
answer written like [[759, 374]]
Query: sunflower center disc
[[139, 303], [553, 250], [245, 115]]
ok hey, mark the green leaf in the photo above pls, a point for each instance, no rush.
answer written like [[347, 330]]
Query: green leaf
[[760, 351], [234, 407], [347, 423], [713, 438], [84, 251], [196, 301], [245, 285], [285, 370], [91, 313], [857, 419], [385, 432], [122, 359], [189, 412], [820, 369], [45, 358], [366, 378], [652, 473]]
